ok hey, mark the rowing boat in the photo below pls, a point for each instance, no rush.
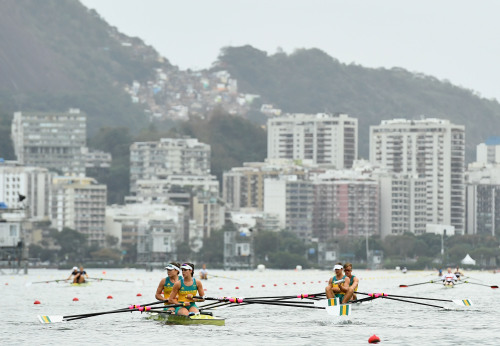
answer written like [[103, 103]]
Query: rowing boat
[[83, 284], [169, 318]]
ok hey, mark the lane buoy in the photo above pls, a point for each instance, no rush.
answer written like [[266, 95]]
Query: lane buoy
[[110, 297], [374, 339], [76, 299], [36, 302], [139, 295]]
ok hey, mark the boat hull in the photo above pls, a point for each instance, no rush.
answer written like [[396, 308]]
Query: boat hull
[[186, 320]]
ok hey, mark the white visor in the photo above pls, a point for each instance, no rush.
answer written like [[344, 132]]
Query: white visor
[[172, 267], [338, 266], [75, 268], [186, 266]]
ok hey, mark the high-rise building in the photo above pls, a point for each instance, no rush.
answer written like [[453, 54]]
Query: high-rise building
[[489, 151], [345, 205], [430, 149], [51, 140], [32, 183], [243, 187], [79, 204], [169, 156], [318, 138]]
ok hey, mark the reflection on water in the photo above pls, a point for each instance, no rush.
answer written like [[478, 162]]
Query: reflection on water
[[395, 322]]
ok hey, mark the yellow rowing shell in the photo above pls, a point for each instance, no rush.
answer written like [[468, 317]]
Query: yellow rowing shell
[[184, 320]]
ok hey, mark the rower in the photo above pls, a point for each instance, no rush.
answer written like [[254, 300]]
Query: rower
[[167, 284], [73, 273], [458, 273], [204, 272], [184, 291], [338, 284], [449, 278], [353, 283], [79, 278]]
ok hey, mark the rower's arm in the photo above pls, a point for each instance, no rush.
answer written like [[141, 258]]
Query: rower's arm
[[173, 295], [345, 285], [201, 291], [159, 290], [355, 283]]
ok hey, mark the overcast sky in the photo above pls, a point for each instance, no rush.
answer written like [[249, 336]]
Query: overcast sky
[[457, 40]]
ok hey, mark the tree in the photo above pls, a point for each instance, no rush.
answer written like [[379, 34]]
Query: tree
[[73, 244]]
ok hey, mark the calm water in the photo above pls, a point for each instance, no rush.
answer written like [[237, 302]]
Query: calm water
[[396, 323]]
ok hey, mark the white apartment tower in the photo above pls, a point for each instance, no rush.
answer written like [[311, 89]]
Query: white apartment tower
[[51, 140], [79, 204], [169, 156], [319, 138], [430, 149], [31, 182]]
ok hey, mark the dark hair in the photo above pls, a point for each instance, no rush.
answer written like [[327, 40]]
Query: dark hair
[[192, 266], [347, 264], [177, 264]]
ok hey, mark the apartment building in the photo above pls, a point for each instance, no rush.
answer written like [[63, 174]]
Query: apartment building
[[243, 187], [169, 156], [345, 204], [31, 182], [318, 138], [51, 140], [433, 150], [79, 203]]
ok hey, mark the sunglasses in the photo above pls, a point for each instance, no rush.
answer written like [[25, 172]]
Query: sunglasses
[[184, 270], [348, 270]]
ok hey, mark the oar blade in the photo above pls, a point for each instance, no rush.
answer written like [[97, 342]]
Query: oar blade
[[327, 302], [463, 302], [494, 286], [403, 285], [339, 310], [50, 319]]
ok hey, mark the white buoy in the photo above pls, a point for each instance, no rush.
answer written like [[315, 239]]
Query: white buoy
[[261, 267], [298, 267]]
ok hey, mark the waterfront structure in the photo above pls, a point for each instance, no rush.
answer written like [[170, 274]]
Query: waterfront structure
[[168, 156], [51, 140], [79, 203], [431, 149], [318, 138]]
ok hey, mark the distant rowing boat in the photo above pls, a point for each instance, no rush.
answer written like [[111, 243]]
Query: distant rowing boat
[[185, 320]]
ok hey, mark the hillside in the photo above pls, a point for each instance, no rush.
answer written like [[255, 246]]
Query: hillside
[[56, 54], [311, 81]]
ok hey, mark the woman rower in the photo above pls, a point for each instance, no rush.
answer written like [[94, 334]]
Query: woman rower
[[167, 284], [184, 291]]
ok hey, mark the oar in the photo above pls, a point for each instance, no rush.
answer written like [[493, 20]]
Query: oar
[[42, 282], [422, 283], [300, 296], [57, 319], [475, 283], [100, 279], [255, 301], [220, 276], [465, 302], [409, 301]]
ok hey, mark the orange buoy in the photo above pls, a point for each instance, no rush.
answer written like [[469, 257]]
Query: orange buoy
[[139, 295], [263, 285], [251, 286], [275, 285], [6, 283], [104, 272], [36, 302], [220, 288], [76, 299], [110, 297], [374, 339], [236, 288]]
